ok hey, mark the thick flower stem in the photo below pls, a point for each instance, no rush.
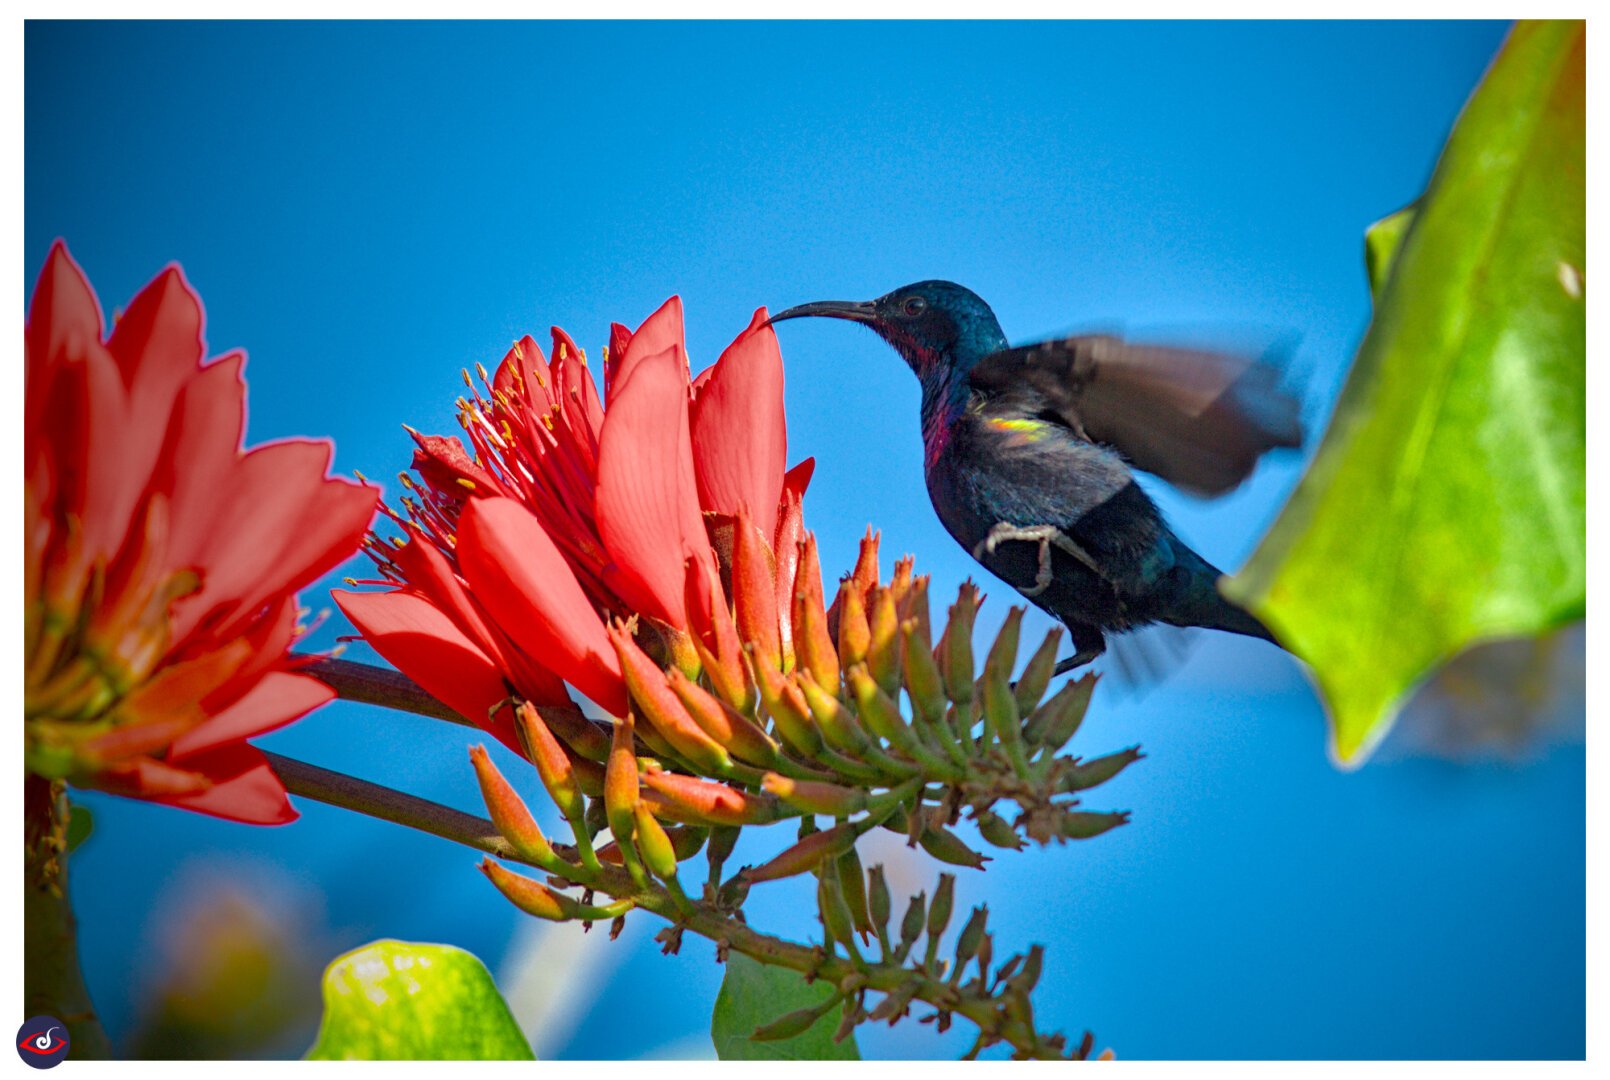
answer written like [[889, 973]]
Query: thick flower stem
[[373, 685], [375, 800], [814, 962], [400, 808], [53, 981]]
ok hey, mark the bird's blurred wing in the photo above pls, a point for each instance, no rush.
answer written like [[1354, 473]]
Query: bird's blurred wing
[[1195, 418]]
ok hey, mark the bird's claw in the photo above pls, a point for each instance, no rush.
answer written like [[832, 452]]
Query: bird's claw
[[1076, 661], [1045, 536]]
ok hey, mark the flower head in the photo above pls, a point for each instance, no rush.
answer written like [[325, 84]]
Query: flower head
[[563, 517], [161, 560]]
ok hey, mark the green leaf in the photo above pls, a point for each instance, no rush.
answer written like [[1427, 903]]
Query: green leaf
[[1381, 246], [395, 1000], [754, 995], [1447, 504], [80, 823]]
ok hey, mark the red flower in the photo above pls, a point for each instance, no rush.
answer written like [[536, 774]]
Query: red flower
[[563, 516], [162, 561]]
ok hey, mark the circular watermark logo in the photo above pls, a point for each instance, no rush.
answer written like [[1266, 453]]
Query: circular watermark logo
[[42, 1041]]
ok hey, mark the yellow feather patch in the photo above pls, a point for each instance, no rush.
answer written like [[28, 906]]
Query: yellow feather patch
[[1027, 430]]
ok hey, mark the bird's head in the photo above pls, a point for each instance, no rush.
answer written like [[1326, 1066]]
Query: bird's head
[[935, 325]]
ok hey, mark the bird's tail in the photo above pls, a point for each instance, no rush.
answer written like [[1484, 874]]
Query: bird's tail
[[1224, 615], [1203, 605]]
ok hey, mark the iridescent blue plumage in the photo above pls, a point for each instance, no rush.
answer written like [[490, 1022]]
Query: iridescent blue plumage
[[1028, 452]]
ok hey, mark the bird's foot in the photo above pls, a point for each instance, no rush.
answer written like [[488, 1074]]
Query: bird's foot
[[1090, 643], [1045, 536], [1076, 661]]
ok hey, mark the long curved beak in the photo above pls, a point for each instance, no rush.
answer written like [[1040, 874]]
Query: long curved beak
[[861, 311]]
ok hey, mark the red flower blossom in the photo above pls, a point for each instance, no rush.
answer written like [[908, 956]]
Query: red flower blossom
[[563, 516], [162, 561]]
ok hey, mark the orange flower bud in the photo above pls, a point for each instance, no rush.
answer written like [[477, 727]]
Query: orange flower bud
[[531, 897], [812, 643], [552, 762], [806, 855], [855, 635], [900, 581], [865, 576], [754, 591], [703, 802], [659, 854], [866, 573], [652, 693], [786, 705], [833, 720], [620, 781], [815, 796], [718, 720], [717, 644], [509, 812], [790, 529], [883, 648]]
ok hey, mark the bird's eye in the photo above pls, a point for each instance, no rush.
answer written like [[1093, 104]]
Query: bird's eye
[[915, 305]]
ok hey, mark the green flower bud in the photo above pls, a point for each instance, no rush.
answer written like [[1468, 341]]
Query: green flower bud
[[1055, 721], [924, 683], [806, 855], [878, 903], [911, 925], [972, 935], [947, 847], [1087, 774], [995, 829], [1037, 672], [939, 910], [852, 883], [836, 918], [1084, 824]]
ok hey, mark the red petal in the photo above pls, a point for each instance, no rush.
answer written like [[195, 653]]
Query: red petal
[[647, 503], [581, 404], [277, 699], [659, 332], [523, 372], [244, 788], [158, 346], [518, 575], [208, 422], [427, 571], [115, 472], [740, 437], [790, 531], [445, 465], [798, 478], [620, 339], [63, 318], [279, 524], [423, 644]]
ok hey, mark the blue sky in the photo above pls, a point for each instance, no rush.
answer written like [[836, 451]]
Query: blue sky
[[368, 208]]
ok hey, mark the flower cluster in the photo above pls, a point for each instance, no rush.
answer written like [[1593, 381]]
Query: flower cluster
[[161, 561], [519, 563], [690, 764], [652, 555]]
